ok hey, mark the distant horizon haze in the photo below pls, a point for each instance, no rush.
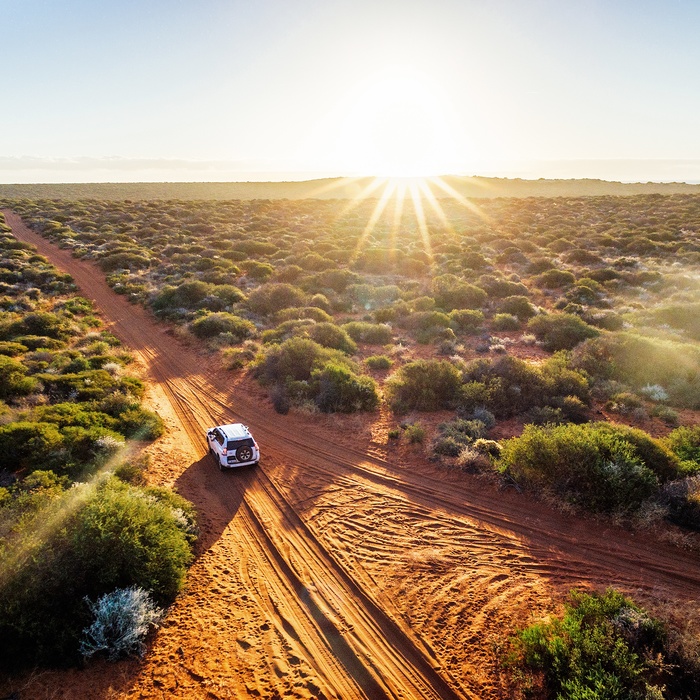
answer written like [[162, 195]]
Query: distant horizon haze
[[34, 170]]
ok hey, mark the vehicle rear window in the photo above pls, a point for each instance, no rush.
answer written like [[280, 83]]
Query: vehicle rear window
[[235, 444]]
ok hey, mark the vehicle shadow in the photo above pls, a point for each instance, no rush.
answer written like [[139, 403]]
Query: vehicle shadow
[[218, 496]]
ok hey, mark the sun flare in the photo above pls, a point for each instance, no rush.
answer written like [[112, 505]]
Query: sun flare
[[396, 125]]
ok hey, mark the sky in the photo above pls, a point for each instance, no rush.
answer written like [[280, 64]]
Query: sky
[[215, 90]]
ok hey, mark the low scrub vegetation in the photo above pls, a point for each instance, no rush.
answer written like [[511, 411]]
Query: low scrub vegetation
[[604, 646], [600, 466], [71, 531]]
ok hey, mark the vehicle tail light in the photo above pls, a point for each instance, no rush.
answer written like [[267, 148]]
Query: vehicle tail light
[[224, 452]]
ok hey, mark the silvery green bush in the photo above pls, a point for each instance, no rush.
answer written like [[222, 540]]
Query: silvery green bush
[[123, 618]]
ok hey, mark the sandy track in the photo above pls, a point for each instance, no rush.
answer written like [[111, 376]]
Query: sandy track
[[332, 571]]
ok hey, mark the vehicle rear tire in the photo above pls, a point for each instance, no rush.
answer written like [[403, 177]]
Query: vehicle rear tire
[[244, 454]]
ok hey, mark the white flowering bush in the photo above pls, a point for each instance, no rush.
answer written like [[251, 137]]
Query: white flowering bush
[[123, 618]]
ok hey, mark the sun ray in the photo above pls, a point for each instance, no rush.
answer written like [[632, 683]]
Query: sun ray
[[376, 214], [334, 185], [355, 202], [437, 208], [399, 200], [420, 218], [53, 516], [474, 208]]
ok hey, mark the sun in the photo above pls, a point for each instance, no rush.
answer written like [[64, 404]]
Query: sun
[[396, 124]]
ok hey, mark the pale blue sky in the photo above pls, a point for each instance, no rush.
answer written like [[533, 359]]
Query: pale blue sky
[[229, 89]]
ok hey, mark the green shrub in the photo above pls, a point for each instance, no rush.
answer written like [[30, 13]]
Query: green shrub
[[105, 537], [272, 297], [554, 279], [505, 322], [286, 330], [217, 323], [11, 349], [378, 362], [30, 445], [600, 466], [228, 293], [604, 647], [304, 312], [331, 336], [257, 270], [36, 342], [369, 333], [560, 331], [124, 260], [89, 385], [140, 424], [641, 361], [187, 295], [13, 380], [685, 443], [517, 305], [341, 390], [295, 359], [415, 433], [41, 323], [424, 385], [466, 320], [508, 386], [450, 293]]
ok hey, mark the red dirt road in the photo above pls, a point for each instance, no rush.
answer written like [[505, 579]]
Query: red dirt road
[[336, 570]]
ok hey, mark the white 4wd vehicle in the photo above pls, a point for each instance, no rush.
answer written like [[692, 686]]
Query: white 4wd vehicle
[[232, 445]]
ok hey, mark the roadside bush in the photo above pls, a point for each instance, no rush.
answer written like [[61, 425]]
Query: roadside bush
[[604, 647], [560, 331], [415, 433], [499, 288], [295, 359], [104, 537], [424, 385], [187, 295], [10, 349], [124, 260], [123, 618], [140, 424], [227, 293], [682, 501], [456, 435], [238, 329], [598, 465], [29, 445], [509, 386]]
